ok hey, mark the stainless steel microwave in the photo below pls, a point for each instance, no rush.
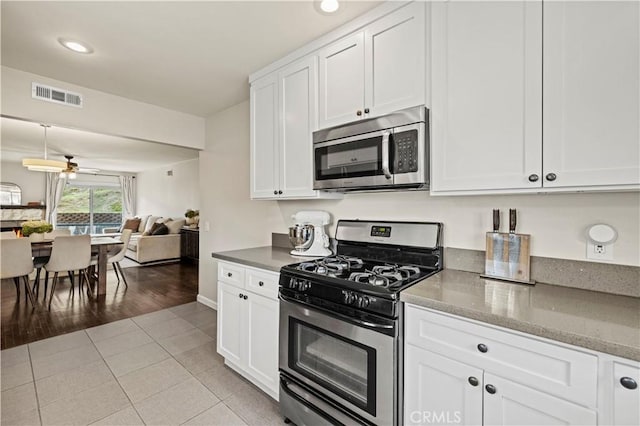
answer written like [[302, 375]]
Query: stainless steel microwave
[[382, 153]]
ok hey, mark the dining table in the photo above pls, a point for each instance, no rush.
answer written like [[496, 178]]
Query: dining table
[[100, 245]]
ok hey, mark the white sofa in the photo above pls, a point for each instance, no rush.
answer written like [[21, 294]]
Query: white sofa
[[154, 248]]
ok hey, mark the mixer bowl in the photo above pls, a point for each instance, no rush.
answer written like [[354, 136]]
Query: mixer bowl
[[301, 236]]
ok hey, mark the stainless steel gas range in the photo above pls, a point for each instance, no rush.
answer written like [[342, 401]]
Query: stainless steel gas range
[[341, 323]]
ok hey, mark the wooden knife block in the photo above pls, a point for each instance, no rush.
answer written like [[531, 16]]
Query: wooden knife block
[[507, 257]]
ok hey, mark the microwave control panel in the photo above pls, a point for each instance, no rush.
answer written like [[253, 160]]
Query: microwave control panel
[[405, 152]]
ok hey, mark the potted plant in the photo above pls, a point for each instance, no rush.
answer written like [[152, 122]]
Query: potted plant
[[35, 229], [193, 217]]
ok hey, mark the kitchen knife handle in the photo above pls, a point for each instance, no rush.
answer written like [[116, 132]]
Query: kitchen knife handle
[[512, 221], [496, 220]]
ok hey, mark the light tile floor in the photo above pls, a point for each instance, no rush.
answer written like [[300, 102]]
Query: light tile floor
[[160, 368]]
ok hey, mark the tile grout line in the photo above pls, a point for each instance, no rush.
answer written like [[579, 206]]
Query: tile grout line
[[118, 382], [35, 388]]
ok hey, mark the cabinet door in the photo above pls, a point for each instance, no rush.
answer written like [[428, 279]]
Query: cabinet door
[[395, 59], [298, 111], [231, 327], [592, 93], [262, 316], [626, 402], [341, 85], [486, 95], [264, 137], [438, 390], [514, 404]]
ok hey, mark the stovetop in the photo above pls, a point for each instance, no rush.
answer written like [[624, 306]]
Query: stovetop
[[371, 275], [375, 261]]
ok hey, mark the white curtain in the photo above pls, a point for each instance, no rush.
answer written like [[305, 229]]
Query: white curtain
[[53, 194], [128, 188]]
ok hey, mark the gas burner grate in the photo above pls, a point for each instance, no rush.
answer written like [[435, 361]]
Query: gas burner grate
[[322, 268]]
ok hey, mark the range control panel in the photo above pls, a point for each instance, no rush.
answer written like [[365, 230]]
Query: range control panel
[[405, 153]]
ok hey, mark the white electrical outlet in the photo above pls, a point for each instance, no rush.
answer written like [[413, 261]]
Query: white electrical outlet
[[599, 251]]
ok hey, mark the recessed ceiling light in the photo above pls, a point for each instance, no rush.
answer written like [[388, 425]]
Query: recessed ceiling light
[[329, 6], [75, 45]]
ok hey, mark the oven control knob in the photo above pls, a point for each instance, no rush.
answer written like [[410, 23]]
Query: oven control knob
[[364, 302], [292, 283]]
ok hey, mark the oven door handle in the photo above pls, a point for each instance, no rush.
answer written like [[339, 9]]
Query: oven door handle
[[384, 328], [385, 155]]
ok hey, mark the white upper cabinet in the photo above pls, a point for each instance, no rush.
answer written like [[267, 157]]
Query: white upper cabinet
[[511, 115], [283, 113], [264, 137], [298, 111], [342, 81], [374, 71], [486, 95], [591, 93], [394, 58]]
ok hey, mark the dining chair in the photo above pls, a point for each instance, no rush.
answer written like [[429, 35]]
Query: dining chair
[[117, 257], [69, 253], [39, 262], [7, 235], [17, 263]]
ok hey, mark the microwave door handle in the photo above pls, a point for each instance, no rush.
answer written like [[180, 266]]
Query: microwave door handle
[[385, 155]]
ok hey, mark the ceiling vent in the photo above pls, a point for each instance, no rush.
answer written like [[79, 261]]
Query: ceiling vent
[[55, 95]]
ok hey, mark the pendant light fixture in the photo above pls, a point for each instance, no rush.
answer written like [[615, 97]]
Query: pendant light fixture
[[44, 165]]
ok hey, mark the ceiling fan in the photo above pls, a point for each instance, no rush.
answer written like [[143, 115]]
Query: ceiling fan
[[72, 169]]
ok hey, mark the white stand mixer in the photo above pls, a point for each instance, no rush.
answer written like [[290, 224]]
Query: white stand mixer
[[308, 235]]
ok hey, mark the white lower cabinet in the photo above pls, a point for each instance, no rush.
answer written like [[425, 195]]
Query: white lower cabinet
[[507, 402], [620, 391], [248, 315], [461, 371], [438, 390]]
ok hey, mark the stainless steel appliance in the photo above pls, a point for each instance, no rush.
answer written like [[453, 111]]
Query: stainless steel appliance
[[382, 153], [341, 323]]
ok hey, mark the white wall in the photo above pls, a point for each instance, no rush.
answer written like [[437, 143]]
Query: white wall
[[102, 112], [163, 195], [234, 221], [32, 183], [556, 222]]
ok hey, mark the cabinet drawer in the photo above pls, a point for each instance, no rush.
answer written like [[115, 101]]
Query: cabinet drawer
[[263, 283], [559, 370], [231, 274]]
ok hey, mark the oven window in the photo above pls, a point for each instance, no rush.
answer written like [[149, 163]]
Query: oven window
[[350, 159], [344, 367]]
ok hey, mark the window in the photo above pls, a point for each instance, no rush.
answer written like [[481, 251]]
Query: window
[[86, 209]]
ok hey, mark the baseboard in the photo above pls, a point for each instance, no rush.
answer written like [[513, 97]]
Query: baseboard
[[206, 301]]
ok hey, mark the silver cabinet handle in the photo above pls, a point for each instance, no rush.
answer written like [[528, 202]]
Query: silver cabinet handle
[[385, 155]]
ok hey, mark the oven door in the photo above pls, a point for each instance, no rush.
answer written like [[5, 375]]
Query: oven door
[[350, 364], [356, 161]]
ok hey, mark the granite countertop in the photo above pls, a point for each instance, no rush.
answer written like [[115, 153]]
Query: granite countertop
[[603, 322], [269, 257]]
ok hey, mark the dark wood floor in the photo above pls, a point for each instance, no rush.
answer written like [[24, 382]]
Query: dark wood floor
[[151, 288]]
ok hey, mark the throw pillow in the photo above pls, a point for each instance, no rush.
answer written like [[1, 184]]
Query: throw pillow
[[150, 221], [132, 224], [152, 229], [175, 225], [161, 230], [143, 223]]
